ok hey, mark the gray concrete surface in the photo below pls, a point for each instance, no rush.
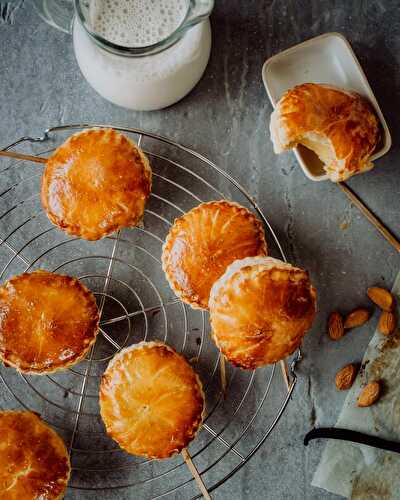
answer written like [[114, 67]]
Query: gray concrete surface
[[225, 118]]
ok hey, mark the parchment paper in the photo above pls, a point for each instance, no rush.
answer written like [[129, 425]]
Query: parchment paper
[[358, 471]]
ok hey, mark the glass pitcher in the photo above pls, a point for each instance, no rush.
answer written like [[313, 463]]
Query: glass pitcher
[[139, 54]]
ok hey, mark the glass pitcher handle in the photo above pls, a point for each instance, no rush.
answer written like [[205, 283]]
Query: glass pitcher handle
[[57, 13], [198, 11]]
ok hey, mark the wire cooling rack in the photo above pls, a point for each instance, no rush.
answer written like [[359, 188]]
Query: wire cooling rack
[[124, 272]]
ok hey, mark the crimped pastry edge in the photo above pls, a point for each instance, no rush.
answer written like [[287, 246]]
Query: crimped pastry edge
[[52, 431], [194, 304], [88, 294], [149, 345], [76, 229]]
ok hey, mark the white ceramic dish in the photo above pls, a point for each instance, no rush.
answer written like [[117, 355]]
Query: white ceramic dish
[[330, 59]]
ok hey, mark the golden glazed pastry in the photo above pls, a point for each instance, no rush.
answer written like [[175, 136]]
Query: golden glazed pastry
[[151, 400], [260, 310], [339, 126], [47, 322], [95, 183], [34, 462], [203, 242]]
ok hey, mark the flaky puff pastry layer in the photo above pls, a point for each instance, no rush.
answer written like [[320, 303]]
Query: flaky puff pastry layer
[[48, 322], [203, 242], [95, 183], [340, 126], [260, 310], [34, 462], [151, 400]]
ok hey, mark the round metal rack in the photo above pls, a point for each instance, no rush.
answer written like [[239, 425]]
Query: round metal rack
[[124, 272]]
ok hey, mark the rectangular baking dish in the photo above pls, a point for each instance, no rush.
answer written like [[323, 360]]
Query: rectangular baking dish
[[329, 59]]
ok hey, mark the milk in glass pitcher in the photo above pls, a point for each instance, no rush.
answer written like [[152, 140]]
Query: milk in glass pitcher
[[141, 54]]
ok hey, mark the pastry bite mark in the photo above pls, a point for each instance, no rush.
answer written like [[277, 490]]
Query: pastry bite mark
[[341, 127], [96, 182], [260, 310], [34, 462], [48, 322], [151, 400], [203, 242]]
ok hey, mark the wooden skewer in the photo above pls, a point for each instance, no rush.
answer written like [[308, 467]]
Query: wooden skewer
[[222, 373], [195, 474], [20, 156], [285, 373], [370, 216]]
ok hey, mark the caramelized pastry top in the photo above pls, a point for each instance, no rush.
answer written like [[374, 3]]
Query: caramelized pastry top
[[260, 310], [151, 400], [34, 462], [95, 183], [203, 242], [340, 126], [47, 321]]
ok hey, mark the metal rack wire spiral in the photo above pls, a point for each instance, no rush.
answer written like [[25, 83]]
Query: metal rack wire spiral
[[136, 304]]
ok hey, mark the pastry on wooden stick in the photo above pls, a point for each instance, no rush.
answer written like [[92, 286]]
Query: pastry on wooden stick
[[152, 403], [260, 310], [48, 322], [203, 242], [151, 400], [96, 182]]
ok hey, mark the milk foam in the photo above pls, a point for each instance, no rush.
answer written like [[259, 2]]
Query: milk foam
[[136, 23]]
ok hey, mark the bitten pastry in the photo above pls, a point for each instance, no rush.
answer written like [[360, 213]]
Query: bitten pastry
[[95, 183], [47, 322], [203, 242], [339, 126], [260, 310], [34, 462], [151, 400]]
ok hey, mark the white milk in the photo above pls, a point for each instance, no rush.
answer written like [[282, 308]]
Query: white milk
[[149, 82]]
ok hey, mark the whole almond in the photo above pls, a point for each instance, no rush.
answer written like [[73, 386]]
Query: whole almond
[[345, 377], [356, 318], [369, 395], [387, 323], [381, 297], [335, 326]]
